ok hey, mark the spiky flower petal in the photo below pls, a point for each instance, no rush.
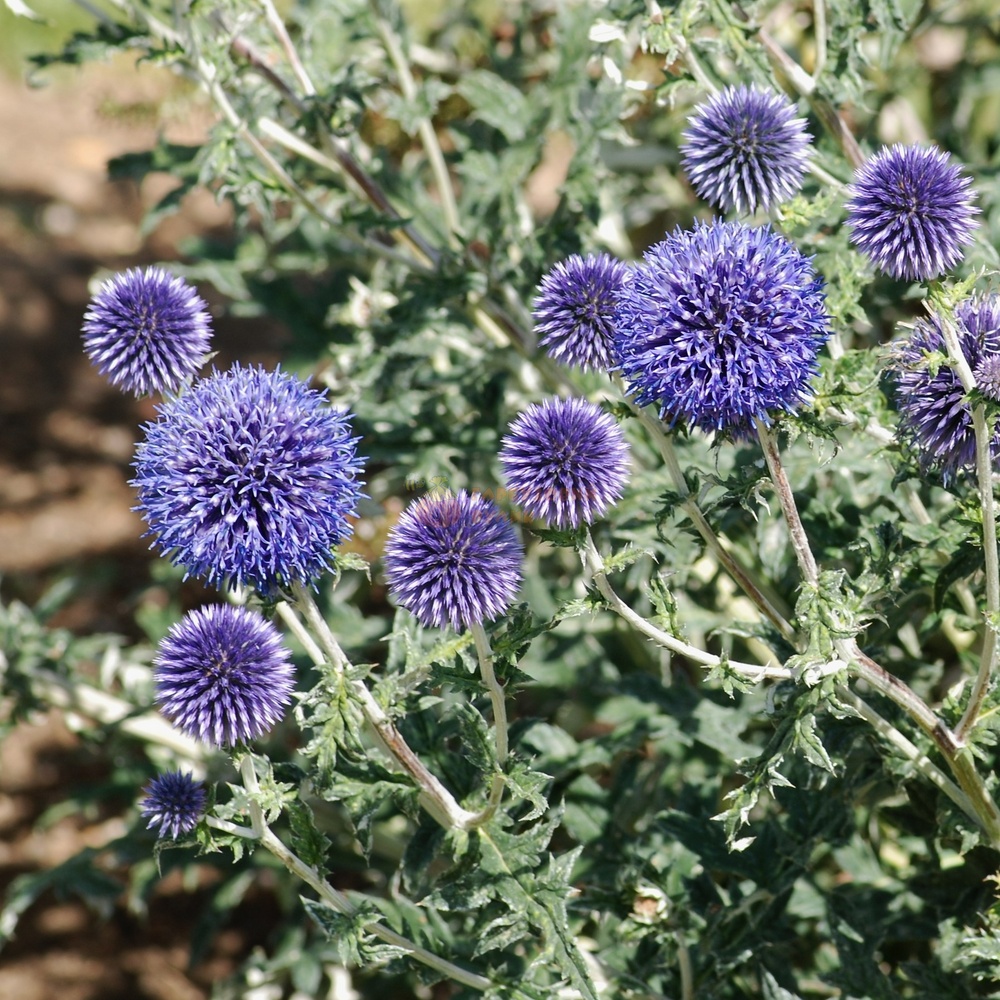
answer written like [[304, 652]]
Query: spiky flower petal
[[173, 802], [223, 676], [745, 147], [935, 415], [249, 478], [146, 331], [720, 325], [454, 559], [566, 461], [910, 212], [574, 307]]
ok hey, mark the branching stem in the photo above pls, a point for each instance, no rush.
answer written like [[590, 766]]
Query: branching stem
[[690, 507]]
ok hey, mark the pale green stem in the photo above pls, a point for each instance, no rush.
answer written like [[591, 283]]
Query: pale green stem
[[800, 543], [434, 797], [959, 759], [332, 897], [690, 507], [819, 34], [497, 700], [277, 25], [595, 565], [908, 749], [991, 563], [425, 128], [685, 968], [109, 710]]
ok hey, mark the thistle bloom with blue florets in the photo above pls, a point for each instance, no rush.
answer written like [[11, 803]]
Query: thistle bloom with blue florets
[[147, 331], [248, 478], [454, 559], [173, 803], [745, 147], [223, 675], [720, 325], [566, 461], [910, 212], [574, 308], [935, 415]]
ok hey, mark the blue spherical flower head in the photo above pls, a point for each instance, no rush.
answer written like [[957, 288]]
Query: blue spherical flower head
[[174, 802], [223, 676], [146, 331], [566, 461], [745, 147], [453, 559], [910, 212], [720, 325], [248, 478], [935, 415], [574, 308]]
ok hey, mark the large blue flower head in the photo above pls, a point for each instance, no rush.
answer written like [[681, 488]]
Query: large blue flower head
[[223, 676], [248, 478], [910, 212], [720, 325], [935, 415], [574, 308], [173, 803], [146, 331], [566, 461], [745, 147], [454, 559]]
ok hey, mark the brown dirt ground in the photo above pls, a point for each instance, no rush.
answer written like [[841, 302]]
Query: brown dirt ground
[[66, 440]]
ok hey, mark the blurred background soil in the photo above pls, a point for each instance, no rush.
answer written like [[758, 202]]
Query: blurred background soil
[[66, 441]]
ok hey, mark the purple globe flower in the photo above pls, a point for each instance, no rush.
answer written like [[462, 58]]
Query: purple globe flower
[[223, 676], [248, 478], [453, 559], [574, 307], [174, 802], [745, 147], [934, 413], [987, 376], [146, 331], [722, 324], [566, 461], [910, 212]]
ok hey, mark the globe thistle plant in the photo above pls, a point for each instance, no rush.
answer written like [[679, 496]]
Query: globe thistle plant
[[566, 461], [173, 803], [745, 148], [574, 307], [721, 325], [223, 676], [249, 478], [454, 559], [146, 331], [935, 415], [910, 212]]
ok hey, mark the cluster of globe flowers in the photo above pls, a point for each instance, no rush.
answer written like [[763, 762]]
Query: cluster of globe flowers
[[249, 478]]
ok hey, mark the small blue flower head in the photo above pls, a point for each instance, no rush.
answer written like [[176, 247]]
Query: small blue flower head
[[453, 559], [146, 331], [745, 147], [574, 307], [174, 802], [566, 461], [248, 478], [934, 413], [910, 212], [720, 325], [223, 676]]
